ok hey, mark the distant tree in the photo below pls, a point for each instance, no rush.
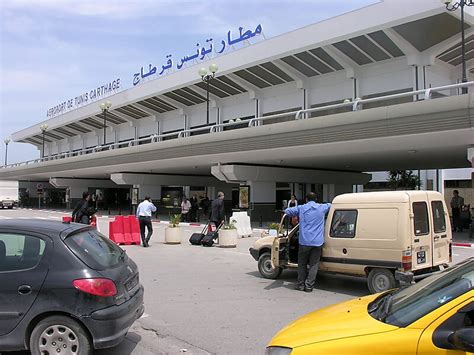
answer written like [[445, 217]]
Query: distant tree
[[403, 180]]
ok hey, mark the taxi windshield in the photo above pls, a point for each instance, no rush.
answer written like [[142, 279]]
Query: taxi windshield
[[407, 305]]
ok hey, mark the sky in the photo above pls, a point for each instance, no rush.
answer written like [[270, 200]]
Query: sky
[[53, 50]]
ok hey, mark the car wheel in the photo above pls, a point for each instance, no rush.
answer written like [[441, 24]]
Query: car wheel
[[60, 335], [265, 267], [381, 280]]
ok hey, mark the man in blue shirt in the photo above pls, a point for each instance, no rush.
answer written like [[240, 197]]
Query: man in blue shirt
[[144, 211], [311, 239]]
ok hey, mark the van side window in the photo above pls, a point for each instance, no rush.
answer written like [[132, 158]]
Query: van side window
[[420, 211], [438, 217], [343, 224]]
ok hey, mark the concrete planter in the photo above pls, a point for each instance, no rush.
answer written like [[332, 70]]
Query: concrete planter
[[172, 235], [228, 238]]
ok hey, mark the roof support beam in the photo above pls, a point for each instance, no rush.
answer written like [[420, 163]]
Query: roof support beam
[[123, 116], [252, 89], [181, 107], [153, 114], [213, 99], [299, 78], [412, 54], [444, 45], [347, 63]]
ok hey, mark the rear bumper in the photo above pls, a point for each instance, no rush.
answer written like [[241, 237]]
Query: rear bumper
[[110, 325], [254, 253], [408, 277]]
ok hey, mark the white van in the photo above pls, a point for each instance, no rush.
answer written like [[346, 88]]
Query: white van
[[384, 236]]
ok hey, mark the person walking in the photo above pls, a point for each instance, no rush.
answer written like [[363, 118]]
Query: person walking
[[217, 210], [144, 212], [194, 208], [456, 203], [311, 239], [185, 208], [205, 205], [84, 209]]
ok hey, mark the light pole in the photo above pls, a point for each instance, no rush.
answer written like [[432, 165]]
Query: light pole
[[6, 141], [43, 128], [453, 6], [104, 106], [207, 78]]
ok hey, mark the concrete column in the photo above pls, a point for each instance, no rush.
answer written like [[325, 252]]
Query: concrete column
[[263, 200], [329, 192]]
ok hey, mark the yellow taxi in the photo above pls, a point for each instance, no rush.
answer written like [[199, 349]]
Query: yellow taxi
[[433, 316]]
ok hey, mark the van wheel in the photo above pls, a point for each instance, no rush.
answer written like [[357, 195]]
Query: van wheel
[[60, 335], [380, 280], [265, 267]]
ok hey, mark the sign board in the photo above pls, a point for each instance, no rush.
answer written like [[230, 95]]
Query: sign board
[[134, 195], [244, 195], [39, 188]]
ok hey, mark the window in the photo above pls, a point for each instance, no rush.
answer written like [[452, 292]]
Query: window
[[20, 252], [420, 211], [343, 224], [439, 223], [95, 250]]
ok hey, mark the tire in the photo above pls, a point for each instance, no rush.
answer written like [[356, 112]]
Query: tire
[[59, 332], [381, 280], [265, 267]]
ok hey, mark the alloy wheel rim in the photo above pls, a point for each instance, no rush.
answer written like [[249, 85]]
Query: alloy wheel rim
[[267, 266], [58, 339], [381, 282]]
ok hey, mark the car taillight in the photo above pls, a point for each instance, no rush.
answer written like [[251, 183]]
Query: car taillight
[[98, 287], [406, 260], [450, 253]]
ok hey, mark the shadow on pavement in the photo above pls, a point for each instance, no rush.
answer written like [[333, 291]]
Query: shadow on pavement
[[348, 285]]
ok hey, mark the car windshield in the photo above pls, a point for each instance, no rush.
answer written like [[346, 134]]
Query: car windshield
[[405, 306], [94, 249]]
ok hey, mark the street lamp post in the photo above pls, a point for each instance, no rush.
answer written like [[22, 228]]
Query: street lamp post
[[453, 6], [105, 106], [43, 128], [207, 78], [6, 141]]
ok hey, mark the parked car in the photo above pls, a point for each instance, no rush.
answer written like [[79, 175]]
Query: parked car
[[384, 236], [433, 316], [65, 288]]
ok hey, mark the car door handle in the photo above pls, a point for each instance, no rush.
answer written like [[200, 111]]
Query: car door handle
[[24, 289], [444, 236], [436, 238]]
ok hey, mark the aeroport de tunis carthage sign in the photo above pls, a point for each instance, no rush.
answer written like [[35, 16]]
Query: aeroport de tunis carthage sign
[[209, 50]]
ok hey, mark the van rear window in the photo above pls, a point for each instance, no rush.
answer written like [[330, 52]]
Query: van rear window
[[439, 221], [421, 225]]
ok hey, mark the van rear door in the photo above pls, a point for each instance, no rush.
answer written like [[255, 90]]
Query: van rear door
[[441, 231], [421, 233]]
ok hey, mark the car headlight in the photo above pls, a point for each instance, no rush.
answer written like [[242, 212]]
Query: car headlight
[[277, 350]]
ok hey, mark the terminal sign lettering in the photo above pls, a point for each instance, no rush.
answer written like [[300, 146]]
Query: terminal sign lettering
[[85, 98], [201, 53]]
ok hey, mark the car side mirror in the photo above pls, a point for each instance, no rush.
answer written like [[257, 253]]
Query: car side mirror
[[463, 339]]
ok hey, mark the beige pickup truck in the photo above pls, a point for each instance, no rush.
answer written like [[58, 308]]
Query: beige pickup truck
[[386, 237]]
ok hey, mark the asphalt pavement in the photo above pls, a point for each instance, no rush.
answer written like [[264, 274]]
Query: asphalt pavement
[[213, 300]]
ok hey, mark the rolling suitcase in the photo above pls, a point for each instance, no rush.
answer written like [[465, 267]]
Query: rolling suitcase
[[196, 238], [210, 237]]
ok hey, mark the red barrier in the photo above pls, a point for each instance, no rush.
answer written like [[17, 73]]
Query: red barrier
[[135, 229], [123, 230], [67, 219]]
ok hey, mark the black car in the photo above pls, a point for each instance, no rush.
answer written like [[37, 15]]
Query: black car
[[64, 288]]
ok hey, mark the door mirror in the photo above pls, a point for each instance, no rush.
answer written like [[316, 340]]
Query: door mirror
[[463, 339]]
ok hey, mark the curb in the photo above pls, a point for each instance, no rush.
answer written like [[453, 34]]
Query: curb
[[464, 245]]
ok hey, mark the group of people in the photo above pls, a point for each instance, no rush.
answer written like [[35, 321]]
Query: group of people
[[190, 208], [146, 209]]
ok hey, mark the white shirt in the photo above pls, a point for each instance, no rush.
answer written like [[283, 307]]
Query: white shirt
[[145, 209], [185, 207]]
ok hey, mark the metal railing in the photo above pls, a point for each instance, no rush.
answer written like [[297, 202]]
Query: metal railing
[[354, 105]]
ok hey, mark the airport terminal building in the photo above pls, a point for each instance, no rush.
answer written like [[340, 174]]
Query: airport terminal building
[[375, 89]]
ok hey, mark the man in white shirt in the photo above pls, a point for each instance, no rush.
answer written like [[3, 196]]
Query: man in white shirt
[[185, 207], [144, 211]]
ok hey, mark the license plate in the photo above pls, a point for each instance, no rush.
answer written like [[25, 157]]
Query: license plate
[[130, 284], [421, 257]]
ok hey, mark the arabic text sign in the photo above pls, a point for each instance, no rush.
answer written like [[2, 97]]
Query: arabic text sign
[[201, 53], [89, 96]]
